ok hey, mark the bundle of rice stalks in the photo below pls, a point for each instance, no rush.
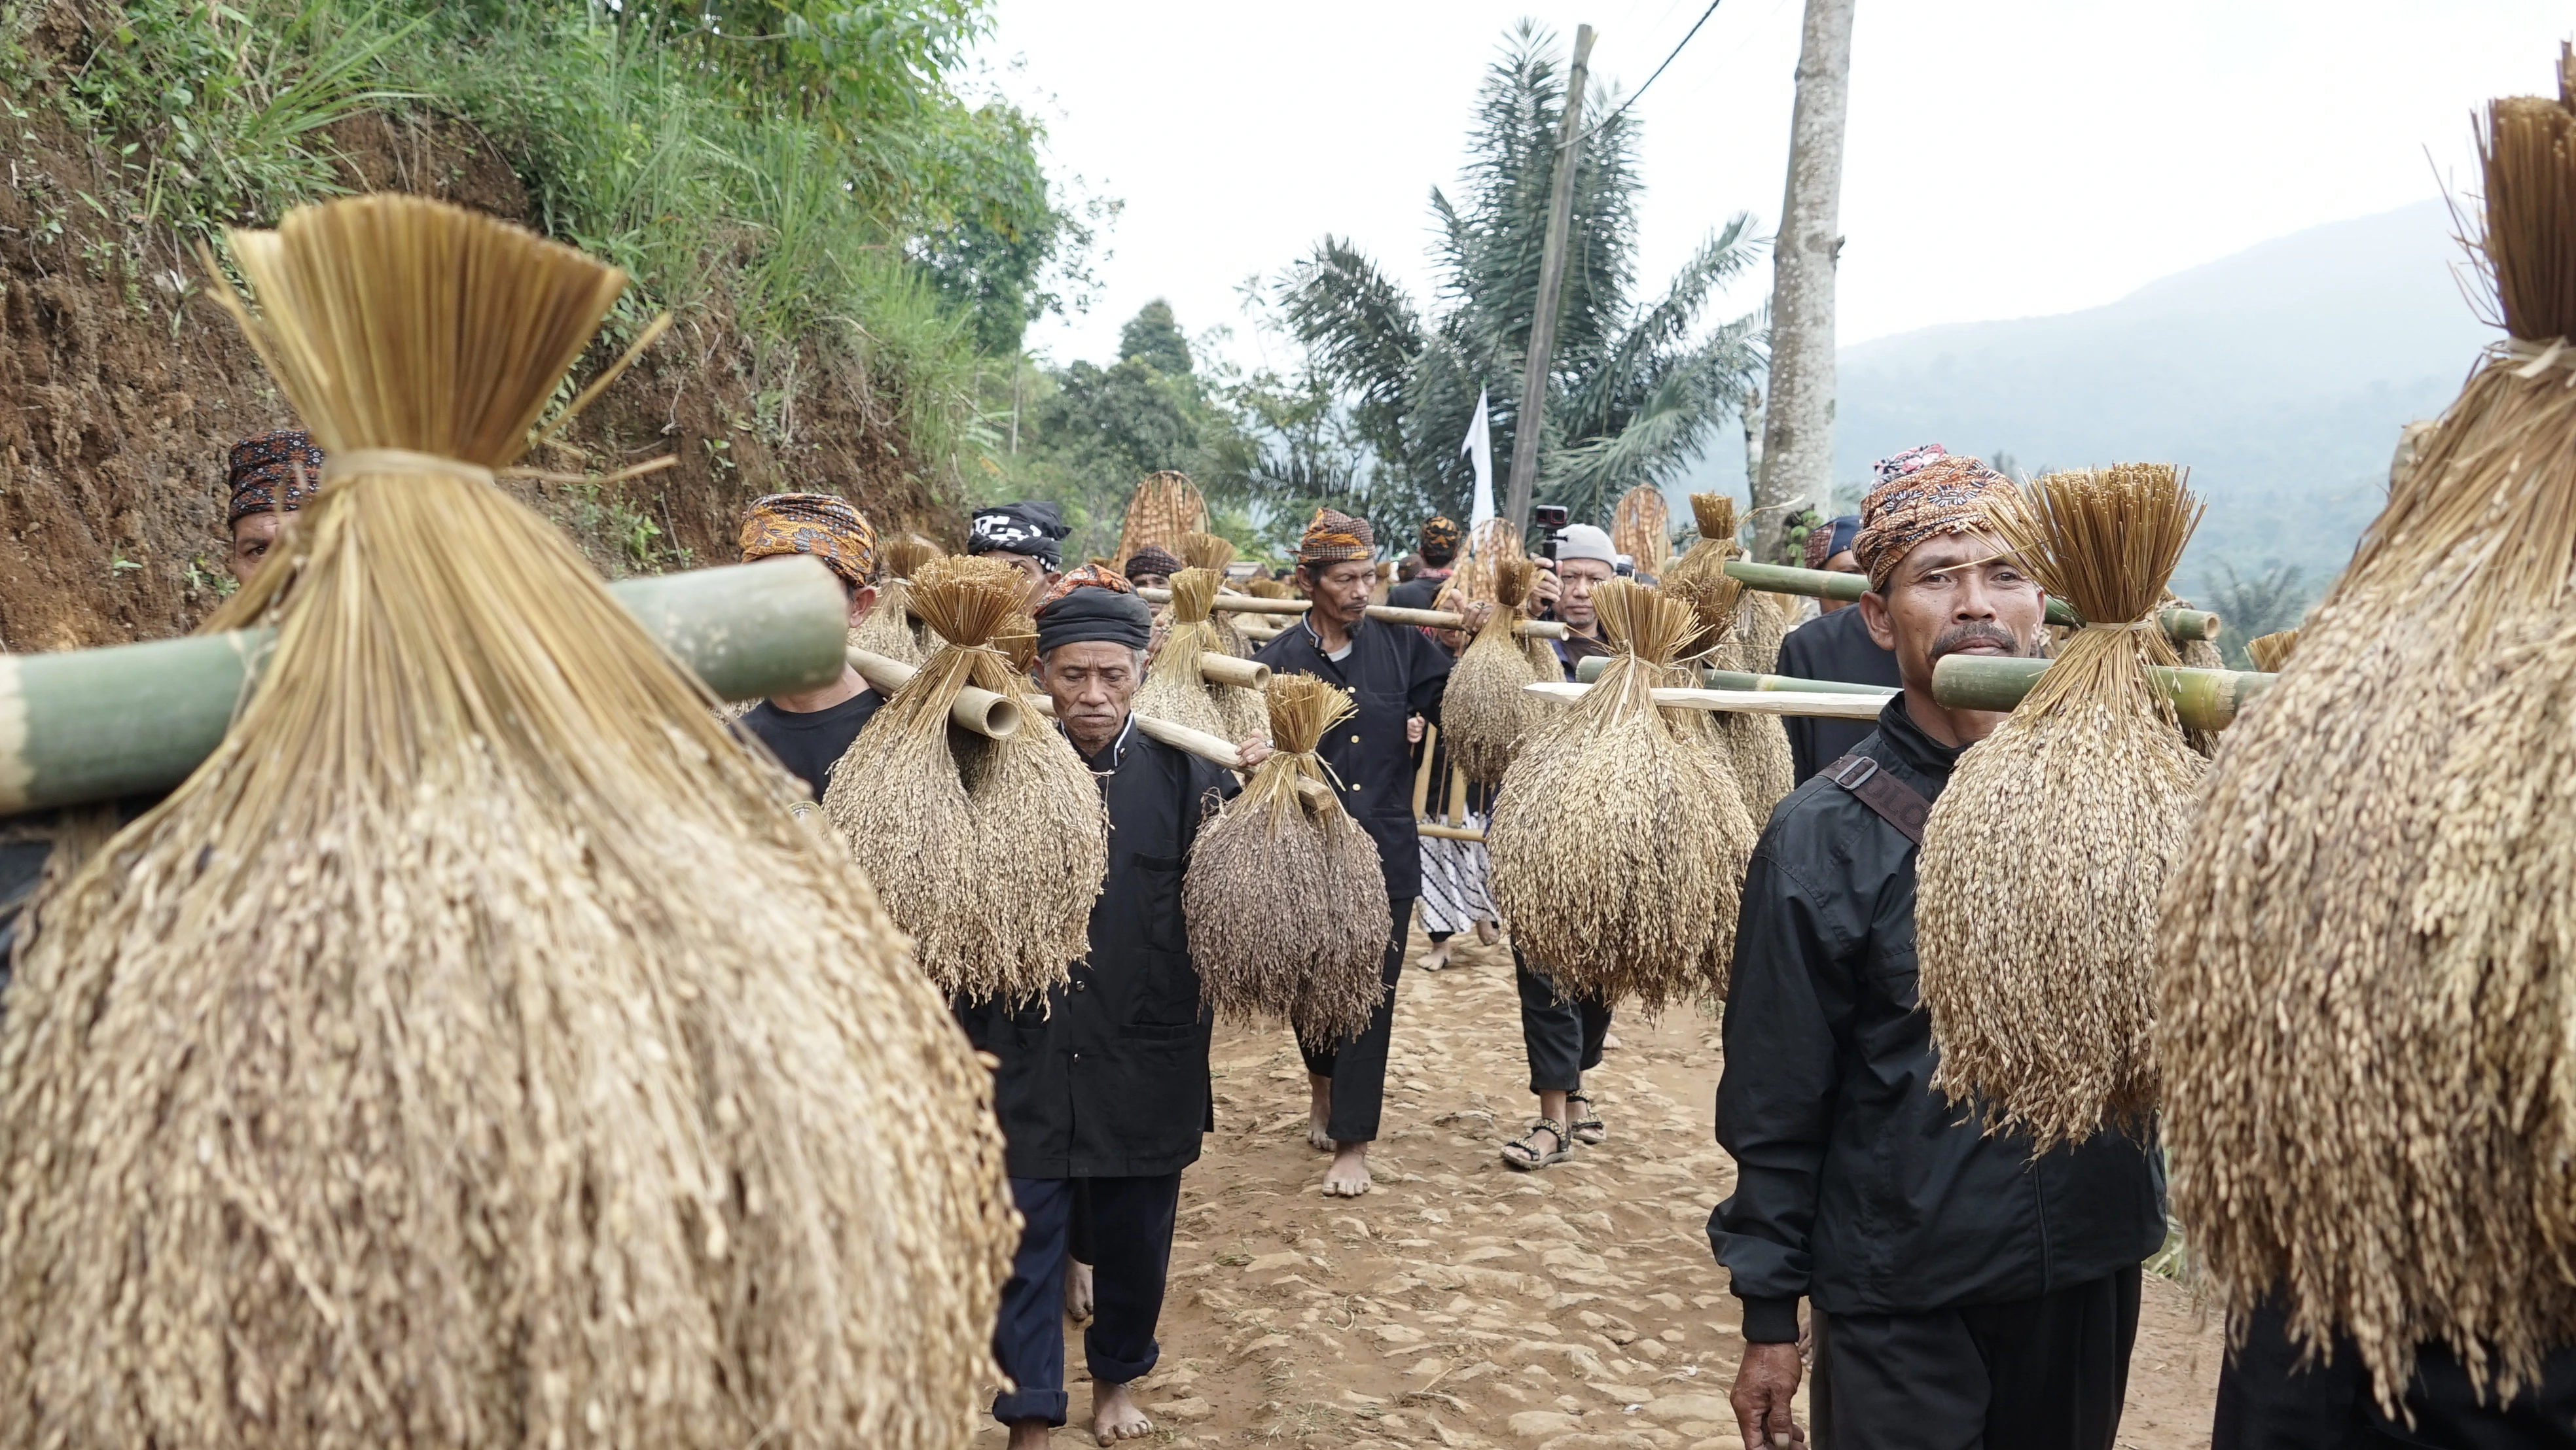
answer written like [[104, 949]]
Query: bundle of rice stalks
[[1619, 840], [1174, 690], [1737, 629], [1488, 707], [2041, 982], [891, 628], [2368, 1012], [1213, 552], [1165, 506], [474, 1050], [2271, 652], [1269, 589], [988, 851], [1286, 905], [1641, 528]]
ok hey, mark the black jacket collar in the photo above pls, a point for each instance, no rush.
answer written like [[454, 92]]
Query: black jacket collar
[[1908, 746]]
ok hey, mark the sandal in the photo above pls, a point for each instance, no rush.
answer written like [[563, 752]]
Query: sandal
[[1587, 1122], [1523, 1153]]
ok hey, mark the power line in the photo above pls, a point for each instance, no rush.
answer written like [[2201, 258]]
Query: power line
[[1650, 80]]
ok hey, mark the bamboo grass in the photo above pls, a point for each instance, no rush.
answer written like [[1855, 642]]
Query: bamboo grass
[[890, 628], [1287, 908], [1619, 839], [2040, 978], [474, 1050], [989, 852], [1486, 711], [2271, 652], [2370, 982]]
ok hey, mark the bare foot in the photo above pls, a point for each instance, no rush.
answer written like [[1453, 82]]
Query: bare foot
[[1114, 1416], [1030, 1435], [1348, 1177], [1437, 959], [1488, 933], [1077, 1290], [1319, 1111], [1610, 1042]]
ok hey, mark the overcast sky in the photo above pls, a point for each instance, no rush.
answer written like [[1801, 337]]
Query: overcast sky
[[2006, 157]]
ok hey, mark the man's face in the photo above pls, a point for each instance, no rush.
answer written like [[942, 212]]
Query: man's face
[[253, 534], [1040, 576], [1091, 683], [1954, 594], [1845, 562], [1340, 591], [1149, 581], [1580, 577]]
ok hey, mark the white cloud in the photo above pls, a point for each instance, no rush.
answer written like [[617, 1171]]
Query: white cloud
[[2006, 157]]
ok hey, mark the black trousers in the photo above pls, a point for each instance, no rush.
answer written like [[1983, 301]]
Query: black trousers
[[1132, 1234], [2032, 1374], [1357, 1065], [1563, 1034], [2268, 1401]]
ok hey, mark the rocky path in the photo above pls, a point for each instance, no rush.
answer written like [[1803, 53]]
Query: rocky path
[[1465, 1304]]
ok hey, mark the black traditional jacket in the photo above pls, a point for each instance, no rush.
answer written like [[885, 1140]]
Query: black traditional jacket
[[1832, 646], [1859, 1186], [1393, 673], [1109, 1078]]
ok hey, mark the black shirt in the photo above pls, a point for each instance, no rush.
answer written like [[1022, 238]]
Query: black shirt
[[810, 742], [1108, 1077], [1857, 1185], [1832, 646], [1422, 591], [1393, 672]]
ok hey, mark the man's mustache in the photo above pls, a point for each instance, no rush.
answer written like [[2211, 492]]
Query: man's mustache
[[1959, 636]]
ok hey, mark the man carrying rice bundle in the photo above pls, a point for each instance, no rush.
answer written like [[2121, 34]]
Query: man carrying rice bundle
[[1836, 644], [270, 476], [1962, 1292], [1028, 535], [1392, 673], [811, 730], [1102, 1088]]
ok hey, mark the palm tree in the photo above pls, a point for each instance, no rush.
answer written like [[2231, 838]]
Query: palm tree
[[1635, 388]]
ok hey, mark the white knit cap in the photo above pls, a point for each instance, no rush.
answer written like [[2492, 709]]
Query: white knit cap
[[1583, 541]]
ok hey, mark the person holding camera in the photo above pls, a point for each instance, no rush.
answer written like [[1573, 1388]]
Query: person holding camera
[[1564, 1034]]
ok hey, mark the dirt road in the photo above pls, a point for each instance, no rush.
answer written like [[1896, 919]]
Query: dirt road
[[1464, 1304]]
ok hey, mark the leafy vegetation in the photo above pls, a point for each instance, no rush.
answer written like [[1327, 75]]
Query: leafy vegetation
[[1636, 386], [807, 169], [2273, 600]]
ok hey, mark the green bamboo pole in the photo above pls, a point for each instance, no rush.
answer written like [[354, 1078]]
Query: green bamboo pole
[[2182, 625], [2203, 699], [101, 724], [1591, 667]]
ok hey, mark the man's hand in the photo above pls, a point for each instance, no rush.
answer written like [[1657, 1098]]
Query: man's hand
[[1474, 613], [1413, 730], [1544, 587], [1254, 749], [1765, 1381]]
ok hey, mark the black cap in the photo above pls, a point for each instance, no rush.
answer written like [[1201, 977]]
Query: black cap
[[1029, 527], [1082, 615]]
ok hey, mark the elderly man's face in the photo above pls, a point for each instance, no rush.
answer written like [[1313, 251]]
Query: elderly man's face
[[253, 536], [1954, 594], [1040, 576], [1091, 684], [1340, 591], [1580, 578]]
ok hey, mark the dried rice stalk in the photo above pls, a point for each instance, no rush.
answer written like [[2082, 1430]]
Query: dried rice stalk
[[1174, 689], [1270, 589], [2041, 982], [1738, 629], [1619, 840], [1287, 907], [1164, 507], [1214, 553], [890, 628], [2271, 652], [474, 1051], [2369, 986], [1641, 528], [1488, 707], [988, 851]]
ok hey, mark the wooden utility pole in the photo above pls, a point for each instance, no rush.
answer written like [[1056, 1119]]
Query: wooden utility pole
[[1798, 429], [1529, 424]]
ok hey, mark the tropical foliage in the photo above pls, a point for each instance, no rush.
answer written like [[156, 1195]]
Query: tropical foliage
[[1637, 383]]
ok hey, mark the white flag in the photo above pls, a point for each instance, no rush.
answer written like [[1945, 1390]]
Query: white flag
[[1480, 446]]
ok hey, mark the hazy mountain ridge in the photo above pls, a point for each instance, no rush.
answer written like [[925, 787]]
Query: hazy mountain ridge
[[2280, 375]]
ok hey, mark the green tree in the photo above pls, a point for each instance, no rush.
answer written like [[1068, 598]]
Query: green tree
[[2266, 603], [1154, 337], [1635, 386]]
